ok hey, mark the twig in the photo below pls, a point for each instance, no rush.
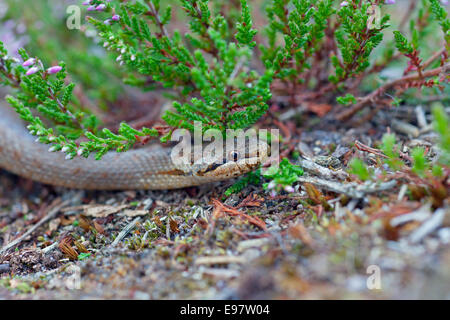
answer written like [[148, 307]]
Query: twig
[[220, 208], [168, 228], [428, 226], [15, 81], [50, 248], [371, 97], [48, 217], [65, 110], [352, 190], [433, 57], [220, 260], [362, 147], [318, 170], [236, 69], [406, 128], [220, 273], [155, 14], [421, 119], [125, 231], [421, 214]]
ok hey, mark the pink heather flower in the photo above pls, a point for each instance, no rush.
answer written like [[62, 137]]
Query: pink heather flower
[[271, 185], [100, 7], [86, 3], [389, 1], [344, 3], [444, 2], [32, 71], [115, 17], [80, 152], [289, 189], [91, 8], [54, 69], [29, 62]]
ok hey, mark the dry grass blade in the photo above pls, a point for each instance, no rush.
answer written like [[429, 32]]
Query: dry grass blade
[[251, 200], [219, 208]]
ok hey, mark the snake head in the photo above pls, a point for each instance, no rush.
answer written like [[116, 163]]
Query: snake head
[[238, 161]]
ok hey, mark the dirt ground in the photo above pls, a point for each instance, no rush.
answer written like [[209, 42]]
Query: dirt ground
[[197, 244]]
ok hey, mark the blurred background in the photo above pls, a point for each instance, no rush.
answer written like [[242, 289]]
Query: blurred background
[[40, 27]]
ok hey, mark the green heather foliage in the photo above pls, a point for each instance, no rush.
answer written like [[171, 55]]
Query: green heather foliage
[[222, 70], [402, 43], [420, 164], [207, 63], [440, 14], [48, 93], [356, 39], [253, 178], [281, 176], [302, 29], [390, 149], [442, 127], [358, 168]]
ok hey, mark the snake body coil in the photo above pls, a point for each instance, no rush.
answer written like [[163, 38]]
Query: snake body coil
[[146, 168]]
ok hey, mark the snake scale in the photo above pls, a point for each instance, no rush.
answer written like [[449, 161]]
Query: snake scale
[[145, 168]]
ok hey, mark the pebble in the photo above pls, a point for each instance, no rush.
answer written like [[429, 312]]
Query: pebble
[[148, 203], [444, 235], [4, 267]]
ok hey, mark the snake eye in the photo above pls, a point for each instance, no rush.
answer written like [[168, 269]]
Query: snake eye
[[234, 155]]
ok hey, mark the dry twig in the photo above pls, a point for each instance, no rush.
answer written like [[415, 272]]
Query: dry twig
[[375, 94], [125, 231], [352, 190]]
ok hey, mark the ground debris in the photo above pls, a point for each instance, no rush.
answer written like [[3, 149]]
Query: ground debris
[[315, 242], [220, 260], [352, 190]]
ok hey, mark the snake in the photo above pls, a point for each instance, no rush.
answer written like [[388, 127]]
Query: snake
[[148, 168]]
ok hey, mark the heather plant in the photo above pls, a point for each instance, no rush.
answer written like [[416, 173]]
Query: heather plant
[[421, 169], [223, 70], [41, 27], [282, 177]]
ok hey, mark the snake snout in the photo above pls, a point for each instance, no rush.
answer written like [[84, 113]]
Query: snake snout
[[237, 162]]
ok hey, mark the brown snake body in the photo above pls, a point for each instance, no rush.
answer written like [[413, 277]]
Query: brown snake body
[[145, 168]]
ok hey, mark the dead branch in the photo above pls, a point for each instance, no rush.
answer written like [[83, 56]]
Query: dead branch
[[404, 80], [125, 231], [352, 190]]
